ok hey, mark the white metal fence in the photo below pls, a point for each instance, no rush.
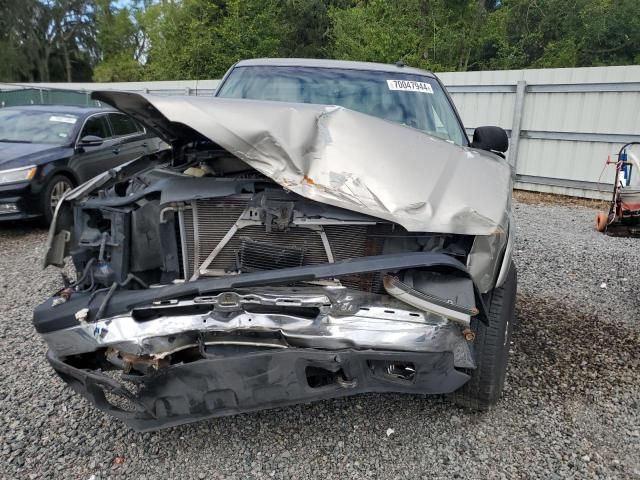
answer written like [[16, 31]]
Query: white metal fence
[[168, 87], [563, 123]]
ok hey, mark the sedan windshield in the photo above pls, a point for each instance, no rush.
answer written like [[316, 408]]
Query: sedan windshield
[[414, 100], [36, 126]]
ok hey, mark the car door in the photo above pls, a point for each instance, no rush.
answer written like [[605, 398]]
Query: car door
[[91, 160], [131, 137]]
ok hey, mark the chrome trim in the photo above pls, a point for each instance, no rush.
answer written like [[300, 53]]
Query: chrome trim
[[346, 319], [246, 344]]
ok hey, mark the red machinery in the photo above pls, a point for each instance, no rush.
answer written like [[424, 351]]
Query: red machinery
[[623, 218]]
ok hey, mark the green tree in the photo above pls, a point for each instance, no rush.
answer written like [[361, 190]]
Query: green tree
[[561, 33], [308, 27], [64, 30], [17, 42], [249, 28], [609, 33], [65, 40], [120, 42], [202, 38], [380, 31], [45, 40], [433, 34]]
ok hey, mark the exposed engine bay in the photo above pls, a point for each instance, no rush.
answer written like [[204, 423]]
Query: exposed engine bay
[[209, 288], [246, 223]]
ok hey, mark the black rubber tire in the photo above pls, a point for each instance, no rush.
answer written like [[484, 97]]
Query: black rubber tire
[[491, 348], [45, 199]]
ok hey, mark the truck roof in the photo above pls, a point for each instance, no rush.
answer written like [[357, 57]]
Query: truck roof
[[322, 63]]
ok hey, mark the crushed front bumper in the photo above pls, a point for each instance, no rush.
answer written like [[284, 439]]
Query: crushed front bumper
[[214, 387], [178, 362], [173, 361]]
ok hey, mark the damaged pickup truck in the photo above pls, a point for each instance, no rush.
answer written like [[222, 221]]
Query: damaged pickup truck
[[319, 229]]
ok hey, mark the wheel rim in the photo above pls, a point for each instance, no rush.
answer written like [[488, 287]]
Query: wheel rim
[[58, 190]]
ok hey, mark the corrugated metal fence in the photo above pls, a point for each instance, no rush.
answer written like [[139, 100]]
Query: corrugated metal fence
[[41, 96], [563, 123], [79, 93]]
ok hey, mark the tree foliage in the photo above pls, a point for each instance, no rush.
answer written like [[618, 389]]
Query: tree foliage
[[202, 38], [108, 40], [46, 39], [121, 43]]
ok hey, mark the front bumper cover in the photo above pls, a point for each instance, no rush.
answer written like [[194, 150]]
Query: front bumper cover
[[214, 387], [23, 197], [295, 344]]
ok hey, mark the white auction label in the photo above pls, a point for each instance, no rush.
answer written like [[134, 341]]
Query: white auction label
[[410, 86], [60, 118]]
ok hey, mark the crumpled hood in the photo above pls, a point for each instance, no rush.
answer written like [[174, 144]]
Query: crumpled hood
[[344, 158]]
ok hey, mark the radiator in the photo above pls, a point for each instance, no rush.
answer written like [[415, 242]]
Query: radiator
[[253, 248]]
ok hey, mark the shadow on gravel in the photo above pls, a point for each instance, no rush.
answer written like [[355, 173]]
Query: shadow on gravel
[[20, 227], [561, 348], [559, 352]]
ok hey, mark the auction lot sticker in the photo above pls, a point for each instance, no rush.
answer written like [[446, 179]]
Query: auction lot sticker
[[63, 119], [409, 86]]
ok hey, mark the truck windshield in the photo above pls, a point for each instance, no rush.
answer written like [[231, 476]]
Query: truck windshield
[[414, 100]]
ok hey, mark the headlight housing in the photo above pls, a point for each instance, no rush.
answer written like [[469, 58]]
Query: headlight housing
[[17, 174], [484, 259]]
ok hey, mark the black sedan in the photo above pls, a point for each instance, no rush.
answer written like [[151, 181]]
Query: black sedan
[[46, 150]]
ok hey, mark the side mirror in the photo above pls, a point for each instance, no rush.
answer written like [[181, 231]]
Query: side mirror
[[90, 141], [493, 139]]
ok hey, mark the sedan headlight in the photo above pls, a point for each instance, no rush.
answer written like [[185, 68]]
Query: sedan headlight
[[17, 174]]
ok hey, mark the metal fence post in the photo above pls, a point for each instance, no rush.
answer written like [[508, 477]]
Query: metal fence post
[[518, 110]]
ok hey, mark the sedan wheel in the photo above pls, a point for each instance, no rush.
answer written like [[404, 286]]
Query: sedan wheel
[[53, 193], [58, 190]]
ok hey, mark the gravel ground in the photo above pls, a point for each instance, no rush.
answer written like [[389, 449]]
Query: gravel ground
[[570, 408]]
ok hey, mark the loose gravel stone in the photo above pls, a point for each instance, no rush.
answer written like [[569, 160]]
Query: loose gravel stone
[[570, 407]]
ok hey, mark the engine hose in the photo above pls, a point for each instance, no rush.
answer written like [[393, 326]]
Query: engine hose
[[85, 272], [112, 289]]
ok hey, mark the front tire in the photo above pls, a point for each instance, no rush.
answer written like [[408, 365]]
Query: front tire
[[492, 348], [52, 193]]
